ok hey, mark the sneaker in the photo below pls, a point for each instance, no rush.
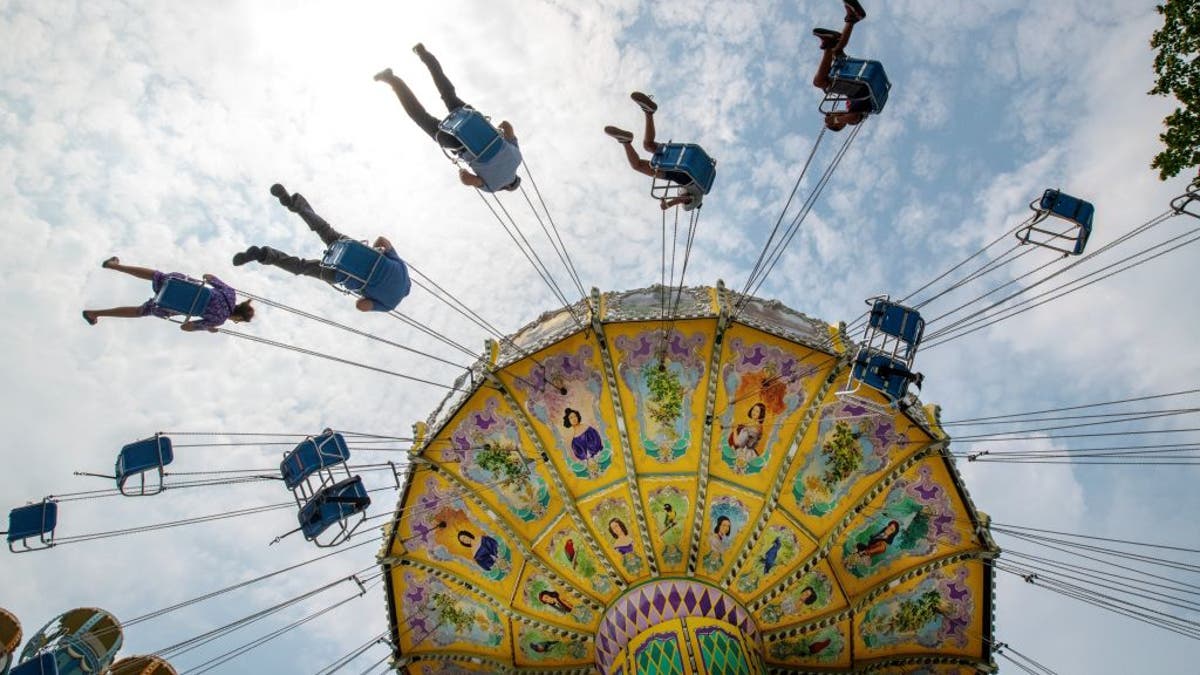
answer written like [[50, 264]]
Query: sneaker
[[829, 38], [644, 101], [281, 193], [418, 49], [241, 258], [384, 75], [621, 135], [854, 11]]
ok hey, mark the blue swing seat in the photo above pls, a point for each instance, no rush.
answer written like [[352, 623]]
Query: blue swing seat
[[183, 296], [332, 505], [138, 458], [883, 373], [34, 520], [854, 80], [1071, 209], [354, 259], [312, 455], [42, 664], [682, 164], [480, 140], [898, 321]]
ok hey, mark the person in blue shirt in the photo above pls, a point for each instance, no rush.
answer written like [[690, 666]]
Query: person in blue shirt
[[499, 171], [833, 46], [692, 195], [387, 286]]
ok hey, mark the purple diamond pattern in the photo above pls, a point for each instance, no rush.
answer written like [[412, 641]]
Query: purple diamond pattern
[[656, 603]]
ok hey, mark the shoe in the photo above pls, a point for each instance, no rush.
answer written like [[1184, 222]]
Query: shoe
[[87, 316], [621, 135], [418, 49], [241, 258], [110, 262], [384, 75], [829, 38], [854, 11], [281, 193], [644, 102]]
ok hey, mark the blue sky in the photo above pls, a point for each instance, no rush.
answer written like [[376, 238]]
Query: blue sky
[[153, 132]]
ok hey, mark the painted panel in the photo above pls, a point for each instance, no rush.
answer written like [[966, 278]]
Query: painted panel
[[538, 647], [940, 612], [448, 668], [813, 595], [484, 446], [765, 386], [721, 649], [565, 550], [662, 379], [920, 517], [670, 508], [566, 399], [659, 651], [727, 522], [842, 455], [937, 669], [828, 647], [443, 529], [780, 548], [610, 516], [436, 616], [547, 598]]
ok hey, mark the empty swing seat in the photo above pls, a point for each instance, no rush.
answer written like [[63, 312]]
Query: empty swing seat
[[135, 459], [312, 455], [853, 80], [334, 504], [35, 520], [357, 261], [480, 140], [684, 164], [898, 321], [1071, 209], [42, 664], [183, 296], [883, 373]]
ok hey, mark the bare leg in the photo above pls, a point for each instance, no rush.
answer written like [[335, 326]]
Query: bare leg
[[139, 272], [648, 136], [117, 312], [640, 165], [821, 79]]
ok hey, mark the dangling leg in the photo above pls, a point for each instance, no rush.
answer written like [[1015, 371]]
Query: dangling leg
[[290, 263], [444, 86], [416, 111], [92, 315], [296, 203], [625, 138], [648, 107], [114, 263]]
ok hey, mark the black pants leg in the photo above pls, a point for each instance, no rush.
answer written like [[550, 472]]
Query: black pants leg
[[444, 86], [315, 223], [428, 123], [295, 265]]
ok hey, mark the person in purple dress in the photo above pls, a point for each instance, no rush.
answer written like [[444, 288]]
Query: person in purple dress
[[586, 444], [484, 552], [833, 46], [222, 304]]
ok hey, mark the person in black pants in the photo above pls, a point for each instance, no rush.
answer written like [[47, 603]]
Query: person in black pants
[[499, 172], [833, 44]]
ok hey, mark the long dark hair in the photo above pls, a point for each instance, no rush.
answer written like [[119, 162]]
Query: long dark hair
[[567, 417], [243, 311]]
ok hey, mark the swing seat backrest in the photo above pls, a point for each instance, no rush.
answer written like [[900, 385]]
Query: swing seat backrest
[[354, 259], [882, 373], [145, 455], [312, 455], [333, 504], [183, 296], [35, 520], [1071, 209], [480, 140], [897, 320], [42, 664], [857, 80], [685, 163]]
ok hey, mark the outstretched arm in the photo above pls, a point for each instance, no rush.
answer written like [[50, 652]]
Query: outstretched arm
[[507, 130], [470, 179], [192, 326]]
